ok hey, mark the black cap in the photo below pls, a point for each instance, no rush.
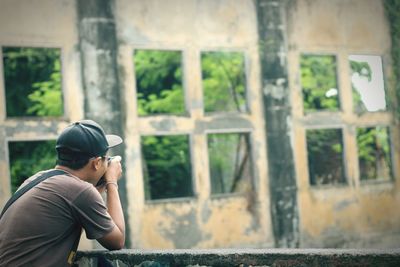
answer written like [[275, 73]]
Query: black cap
[[84, 139]]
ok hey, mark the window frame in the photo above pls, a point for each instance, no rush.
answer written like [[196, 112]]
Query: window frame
[[3, 111], [345, 118], [196, 123]]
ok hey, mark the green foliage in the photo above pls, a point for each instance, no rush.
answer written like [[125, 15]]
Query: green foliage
[[167, 166], [228, 157], [362, 68], [159, 82], [33, 81], [46, 99], [374, 153], [27, 158], [223, 81], [318, 76], [325, 156]]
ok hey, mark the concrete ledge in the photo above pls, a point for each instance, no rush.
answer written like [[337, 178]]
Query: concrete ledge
[[240, 257]]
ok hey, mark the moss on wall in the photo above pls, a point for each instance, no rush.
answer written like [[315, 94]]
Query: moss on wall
[[392, 8]]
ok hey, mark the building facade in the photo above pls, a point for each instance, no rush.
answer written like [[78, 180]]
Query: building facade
[[258, 123]]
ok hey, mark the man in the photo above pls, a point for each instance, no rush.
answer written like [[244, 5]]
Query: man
[[43, 226]]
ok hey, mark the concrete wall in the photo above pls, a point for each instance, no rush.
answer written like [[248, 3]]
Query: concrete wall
[[242, 257], [357, 215], [192, 27]]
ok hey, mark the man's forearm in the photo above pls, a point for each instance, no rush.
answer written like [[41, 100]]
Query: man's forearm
[[115, 208]]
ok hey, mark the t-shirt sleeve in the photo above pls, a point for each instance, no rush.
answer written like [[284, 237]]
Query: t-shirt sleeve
[[92, 213]]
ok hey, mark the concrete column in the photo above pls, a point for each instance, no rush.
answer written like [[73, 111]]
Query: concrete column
[[277, 110], [99, 50]]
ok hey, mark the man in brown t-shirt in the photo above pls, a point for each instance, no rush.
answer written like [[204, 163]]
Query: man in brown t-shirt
[[43, 226]]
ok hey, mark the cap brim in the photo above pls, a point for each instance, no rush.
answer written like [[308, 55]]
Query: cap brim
[[113, 140]]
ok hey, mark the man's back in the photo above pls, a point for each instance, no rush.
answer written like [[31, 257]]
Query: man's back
[[41, 227]]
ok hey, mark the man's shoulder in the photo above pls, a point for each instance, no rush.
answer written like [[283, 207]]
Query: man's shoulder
[[67, 185]]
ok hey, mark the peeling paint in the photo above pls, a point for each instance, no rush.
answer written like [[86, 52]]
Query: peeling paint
[[185, 231], [276, 90], [345, 203]]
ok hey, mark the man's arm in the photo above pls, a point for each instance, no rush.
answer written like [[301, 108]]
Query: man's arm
[[116, 238]]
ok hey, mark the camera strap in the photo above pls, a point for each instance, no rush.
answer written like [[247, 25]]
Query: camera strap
[[30, 185]]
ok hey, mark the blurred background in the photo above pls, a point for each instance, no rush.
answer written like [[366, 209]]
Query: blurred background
[[252, 124]]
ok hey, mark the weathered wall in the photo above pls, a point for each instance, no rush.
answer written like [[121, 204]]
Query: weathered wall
[[357, 214], [192, 27]]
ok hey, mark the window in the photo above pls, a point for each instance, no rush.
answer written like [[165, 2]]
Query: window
[[167, 166], [29, 157], [324, 132], [374, 153], [224, 83], [325, 156], [367, 83], [319, 83], [159, 82], [230, 162], [32, 81], [166, 156]]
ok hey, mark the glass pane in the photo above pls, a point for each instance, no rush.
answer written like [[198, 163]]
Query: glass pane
[[224, 81], [367, 83], [166, 166], [29, 157], [325, 156], [230, 164], [33, 81], [374, 153], [319, 83], [159, 82]]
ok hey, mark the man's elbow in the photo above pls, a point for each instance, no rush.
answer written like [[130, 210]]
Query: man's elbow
[[113, 241], [118, 246]]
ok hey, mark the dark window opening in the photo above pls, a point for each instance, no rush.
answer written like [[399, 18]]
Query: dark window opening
[[230, 163], [374, 153], [325, 156], [32, 82], [167, 166], [28, 158]]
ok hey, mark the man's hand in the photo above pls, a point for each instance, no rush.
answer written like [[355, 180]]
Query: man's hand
[[115, 239], [114, 170]]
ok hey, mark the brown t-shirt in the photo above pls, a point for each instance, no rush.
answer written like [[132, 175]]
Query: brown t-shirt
[[40, 228]]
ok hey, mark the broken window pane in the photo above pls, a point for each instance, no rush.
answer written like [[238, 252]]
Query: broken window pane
[[325, 156], [367, 83], [159, 82], [319, 83], [32, 81], [230, 162], [374, 153], [224, 81], [166, 166], [29, 157]]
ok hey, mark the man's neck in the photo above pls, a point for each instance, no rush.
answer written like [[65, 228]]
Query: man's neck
[[76, 173]]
